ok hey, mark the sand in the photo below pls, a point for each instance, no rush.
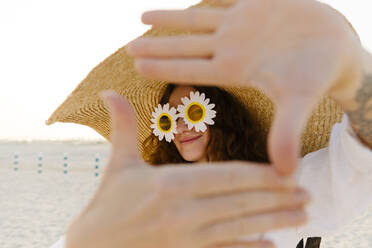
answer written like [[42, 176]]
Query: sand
[[35, 209]]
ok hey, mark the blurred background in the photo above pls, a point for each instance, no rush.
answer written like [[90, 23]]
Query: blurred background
[[49, 173], [47, 47]]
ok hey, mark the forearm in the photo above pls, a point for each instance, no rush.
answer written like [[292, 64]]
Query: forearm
[[358, 104], [361, 116]]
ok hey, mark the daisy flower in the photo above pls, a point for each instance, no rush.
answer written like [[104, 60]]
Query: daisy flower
[[196, 111], [164, 122]]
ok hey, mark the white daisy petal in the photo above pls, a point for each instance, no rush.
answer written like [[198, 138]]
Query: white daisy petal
[[159, 110], [202, 97], [202, 127], [209, 121], [189, 125], [198, 98], [173, 111], [196, 126], [197, 95], [166, 107], [157, 132]]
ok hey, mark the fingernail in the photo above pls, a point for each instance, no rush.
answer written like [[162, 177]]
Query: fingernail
[[146, 18], [108, 94], [129, 48]]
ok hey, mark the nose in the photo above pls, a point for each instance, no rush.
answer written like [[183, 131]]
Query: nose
[[181, 126]]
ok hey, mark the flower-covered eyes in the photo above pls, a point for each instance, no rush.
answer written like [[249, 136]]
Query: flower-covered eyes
[[196, 112], [164, 122]]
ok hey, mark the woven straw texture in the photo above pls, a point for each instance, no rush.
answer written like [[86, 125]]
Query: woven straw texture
[[84, 106]]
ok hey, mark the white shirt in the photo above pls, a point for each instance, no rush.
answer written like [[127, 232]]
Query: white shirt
[[339, 179]]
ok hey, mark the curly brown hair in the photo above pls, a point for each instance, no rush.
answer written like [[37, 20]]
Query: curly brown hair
[[232, 137]]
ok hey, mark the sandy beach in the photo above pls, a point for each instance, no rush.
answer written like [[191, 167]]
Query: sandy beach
[[35, 208]]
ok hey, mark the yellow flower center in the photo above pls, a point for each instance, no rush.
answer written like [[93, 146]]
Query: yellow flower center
[[195, 112], [164, 123]]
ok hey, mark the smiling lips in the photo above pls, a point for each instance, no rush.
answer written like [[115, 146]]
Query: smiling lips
[[189, 140]]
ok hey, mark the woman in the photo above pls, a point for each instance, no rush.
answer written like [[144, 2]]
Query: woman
[[314, 174], [227, 139], [232, 136], [337, 176]]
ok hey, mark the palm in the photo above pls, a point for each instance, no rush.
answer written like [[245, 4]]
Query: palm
[[292, 50]]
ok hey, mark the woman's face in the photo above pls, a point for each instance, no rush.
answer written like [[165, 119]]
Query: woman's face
[[190, 144]]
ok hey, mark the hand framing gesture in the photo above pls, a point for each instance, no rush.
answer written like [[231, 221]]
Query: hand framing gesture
[[140, 206], [294, 50]]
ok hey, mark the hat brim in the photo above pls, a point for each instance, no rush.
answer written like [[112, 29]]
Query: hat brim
[[84, 106]]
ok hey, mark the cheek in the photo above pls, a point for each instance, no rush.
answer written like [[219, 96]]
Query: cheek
[[176, 144], [207, 137], [203, 142]]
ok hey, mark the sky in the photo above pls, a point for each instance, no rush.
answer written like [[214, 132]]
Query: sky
[[47, 47]]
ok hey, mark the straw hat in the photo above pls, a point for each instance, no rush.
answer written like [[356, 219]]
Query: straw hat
[[84, 106]]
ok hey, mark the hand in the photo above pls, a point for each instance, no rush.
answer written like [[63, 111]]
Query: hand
[[294, 50], [140, 206]]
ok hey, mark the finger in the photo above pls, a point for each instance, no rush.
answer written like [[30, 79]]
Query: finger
[[193, 19], [235, 176], [234, 228], [124, 132], [245, 244], [222, 3], [179, 46], [230, 206], [285, 134], [197, 71]]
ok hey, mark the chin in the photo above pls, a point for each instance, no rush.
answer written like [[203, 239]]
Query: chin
[[192, 157]]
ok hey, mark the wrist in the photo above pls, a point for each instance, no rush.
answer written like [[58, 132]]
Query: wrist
[[346, 88], [358, 102]]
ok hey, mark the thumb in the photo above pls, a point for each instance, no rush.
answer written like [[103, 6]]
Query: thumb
[[285, 134], [124, 151]]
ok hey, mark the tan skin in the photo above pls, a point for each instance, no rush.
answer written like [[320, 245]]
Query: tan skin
[[295, 51], [125, 212], [142, 206]]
